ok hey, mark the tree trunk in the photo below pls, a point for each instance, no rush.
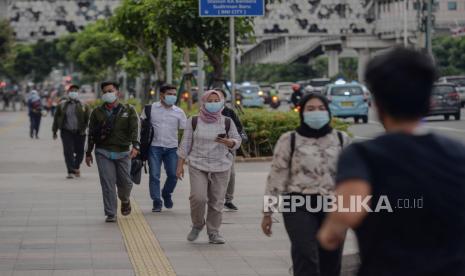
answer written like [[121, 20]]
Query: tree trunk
[[218, 70], [146, 88], [158, 65]]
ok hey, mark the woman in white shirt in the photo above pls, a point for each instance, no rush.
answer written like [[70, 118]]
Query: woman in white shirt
[[207, 146]]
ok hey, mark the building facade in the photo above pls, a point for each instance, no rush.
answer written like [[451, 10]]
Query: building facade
[[47, 19]]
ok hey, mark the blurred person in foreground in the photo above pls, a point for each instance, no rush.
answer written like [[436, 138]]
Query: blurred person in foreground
[[114, 131], [71, 119], [408, 163]]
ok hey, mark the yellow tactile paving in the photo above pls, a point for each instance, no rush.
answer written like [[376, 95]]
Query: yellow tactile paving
[[144, 250]]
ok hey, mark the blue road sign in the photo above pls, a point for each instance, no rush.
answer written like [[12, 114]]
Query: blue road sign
[[228, 8]]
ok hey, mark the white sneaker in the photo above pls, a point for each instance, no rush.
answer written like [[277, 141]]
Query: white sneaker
[[193, 234], [216, 238]]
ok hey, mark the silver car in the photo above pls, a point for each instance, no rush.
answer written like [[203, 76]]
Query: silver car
[[459, 81]]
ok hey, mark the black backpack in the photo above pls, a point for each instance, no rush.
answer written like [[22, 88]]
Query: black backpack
[[146, 133]]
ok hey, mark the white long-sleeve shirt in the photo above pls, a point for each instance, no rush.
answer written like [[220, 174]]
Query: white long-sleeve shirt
[[166, 121], [201, 150]]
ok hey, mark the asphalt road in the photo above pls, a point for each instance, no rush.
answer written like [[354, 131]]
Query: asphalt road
[[437, 124]]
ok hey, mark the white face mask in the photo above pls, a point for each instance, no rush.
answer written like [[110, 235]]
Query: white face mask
[[73, 95], [316, 119], [109, 97]]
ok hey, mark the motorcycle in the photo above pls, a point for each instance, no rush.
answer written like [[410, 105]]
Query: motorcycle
[[275, 102]]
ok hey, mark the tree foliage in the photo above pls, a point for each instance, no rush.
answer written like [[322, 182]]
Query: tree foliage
[[6, 39], [450, 54], [181, 21], [96, 50], [132, 20]]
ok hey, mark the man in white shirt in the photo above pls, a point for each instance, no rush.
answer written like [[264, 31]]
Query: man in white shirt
[[166, 119]]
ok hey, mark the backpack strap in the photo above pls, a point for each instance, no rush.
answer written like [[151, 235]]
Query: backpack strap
[[195, 120], [148, 111], [292, 149], [341, 139], [227, 125]]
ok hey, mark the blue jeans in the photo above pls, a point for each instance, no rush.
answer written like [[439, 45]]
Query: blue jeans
[[169, 157]]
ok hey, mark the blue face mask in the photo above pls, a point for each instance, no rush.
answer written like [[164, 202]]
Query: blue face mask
[[214, 106], [170, 99], [316, 119]]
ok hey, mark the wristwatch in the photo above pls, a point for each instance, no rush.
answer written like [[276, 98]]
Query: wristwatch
[[136, 146]]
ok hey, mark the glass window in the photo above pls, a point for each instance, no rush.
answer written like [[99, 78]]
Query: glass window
[[452, 6], [346, 91]]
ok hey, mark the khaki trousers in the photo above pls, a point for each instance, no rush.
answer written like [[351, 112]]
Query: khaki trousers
[[208, 189]]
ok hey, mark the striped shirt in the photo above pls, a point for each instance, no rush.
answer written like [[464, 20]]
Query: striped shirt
[[203, 153]]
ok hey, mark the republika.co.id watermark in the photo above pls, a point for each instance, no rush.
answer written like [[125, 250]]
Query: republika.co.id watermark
[[332, 203]]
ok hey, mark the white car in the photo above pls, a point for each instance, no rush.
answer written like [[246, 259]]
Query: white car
[[284, 90]]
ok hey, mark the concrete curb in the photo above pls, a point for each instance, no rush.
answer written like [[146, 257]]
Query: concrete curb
[[241, 159]]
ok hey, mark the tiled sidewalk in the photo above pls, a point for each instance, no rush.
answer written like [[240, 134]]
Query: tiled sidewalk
[[53, 226]]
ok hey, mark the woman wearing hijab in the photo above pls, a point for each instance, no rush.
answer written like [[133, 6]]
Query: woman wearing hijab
[[304, 167], [208, 142]]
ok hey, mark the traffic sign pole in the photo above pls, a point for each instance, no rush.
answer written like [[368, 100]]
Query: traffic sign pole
[[232, 60], [231, 9]]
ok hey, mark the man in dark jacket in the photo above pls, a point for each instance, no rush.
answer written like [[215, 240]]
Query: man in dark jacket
[[114, 131], [229, 112], [71, 119]]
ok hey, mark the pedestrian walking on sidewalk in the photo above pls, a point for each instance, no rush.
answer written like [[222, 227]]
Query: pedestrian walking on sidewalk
[[304, 167], [229, 112], [114, 131], [163, 120], [71, 119], [206, 145], [417, 176], [35, 108]]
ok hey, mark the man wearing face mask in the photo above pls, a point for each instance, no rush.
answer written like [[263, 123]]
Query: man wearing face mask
[[114, 131], [164, 119], [71, 119]]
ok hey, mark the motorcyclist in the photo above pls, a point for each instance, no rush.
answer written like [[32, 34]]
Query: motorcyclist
[[297, 94]]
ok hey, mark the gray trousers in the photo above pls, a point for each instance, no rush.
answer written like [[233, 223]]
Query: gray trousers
[[207, 190], [114, 174]]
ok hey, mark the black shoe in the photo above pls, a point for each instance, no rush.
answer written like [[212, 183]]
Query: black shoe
[[70, 176], [110, 219], [230, 206], [168, 202], [126, 208], [156, 207]]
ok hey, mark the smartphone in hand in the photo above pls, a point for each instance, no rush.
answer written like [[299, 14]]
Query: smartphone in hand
[[222, 135]]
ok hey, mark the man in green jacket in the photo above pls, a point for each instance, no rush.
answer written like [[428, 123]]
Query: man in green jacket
[[114, 131], [71, 119]]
